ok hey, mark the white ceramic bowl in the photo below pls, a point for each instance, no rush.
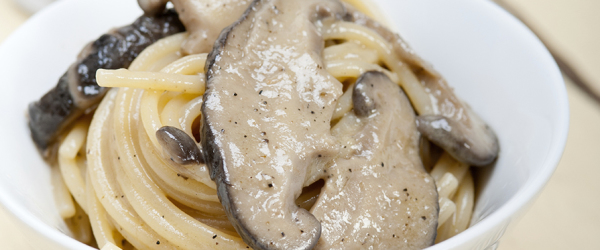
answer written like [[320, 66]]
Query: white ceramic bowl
[[493, 61]]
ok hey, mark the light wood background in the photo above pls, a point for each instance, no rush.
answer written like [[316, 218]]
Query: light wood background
[[566, 215]]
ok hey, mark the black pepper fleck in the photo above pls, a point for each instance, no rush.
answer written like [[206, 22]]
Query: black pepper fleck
[[260, 93], [265, 102], [157, 242], [234, 94], [270, 185], [423, 217], [312, 112], [405, 190], [382, 164], [282, 234], [215, 236]]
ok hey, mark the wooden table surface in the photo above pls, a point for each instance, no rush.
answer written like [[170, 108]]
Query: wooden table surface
[[565, 215]]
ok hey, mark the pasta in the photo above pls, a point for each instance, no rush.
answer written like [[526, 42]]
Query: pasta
[[127, 191]]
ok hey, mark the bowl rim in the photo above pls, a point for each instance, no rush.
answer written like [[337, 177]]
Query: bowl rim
[[524, 196]]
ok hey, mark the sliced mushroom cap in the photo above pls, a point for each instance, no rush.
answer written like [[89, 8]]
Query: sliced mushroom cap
[[266, 119], [151, 7], [179, 146], [378, 195], [77, 90], [475, 145], [470, 140]]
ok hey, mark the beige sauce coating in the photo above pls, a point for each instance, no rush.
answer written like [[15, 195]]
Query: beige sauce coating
[[204, 19], [377, 194]]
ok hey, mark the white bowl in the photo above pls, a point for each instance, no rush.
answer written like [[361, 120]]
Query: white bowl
[[493, 61]]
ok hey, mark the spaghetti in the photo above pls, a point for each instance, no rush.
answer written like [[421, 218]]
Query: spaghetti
[[131, 195]]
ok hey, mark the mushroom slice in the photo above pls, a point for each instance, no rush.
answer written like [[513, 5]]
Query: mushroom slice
[[77, 91], [151, 7], [473, 143], [266, 119], [377, 194], [463, 135], [179, 146]]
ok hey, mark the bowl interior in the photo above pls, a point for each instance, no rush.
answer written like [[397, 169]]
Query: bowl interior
[[494, 63]]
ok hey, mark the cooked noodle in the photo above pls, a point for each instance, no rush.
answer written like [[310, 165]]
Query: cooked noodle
[[135, 196]]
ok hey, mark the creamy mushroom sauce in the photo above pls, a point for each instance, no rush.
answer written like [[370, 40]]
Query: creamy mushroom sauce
[[205, 19]]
